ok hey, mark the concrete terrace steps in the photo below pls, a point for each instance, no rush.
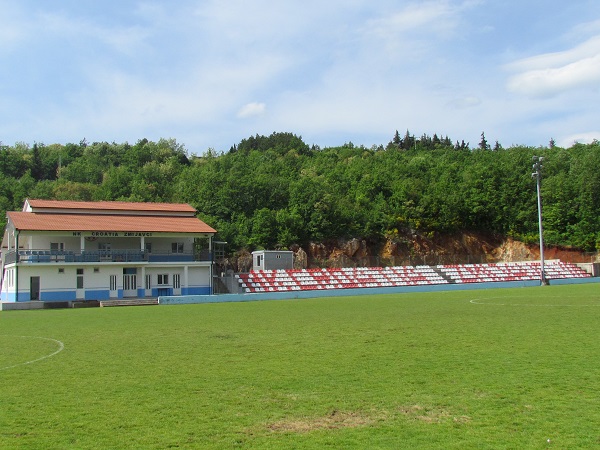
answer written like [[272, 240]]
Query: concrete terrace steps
[[129, 302]]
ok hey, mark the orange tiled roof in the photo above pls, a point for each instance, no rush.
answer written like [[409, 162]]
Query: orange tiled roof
[[117, 206], [103, 222]]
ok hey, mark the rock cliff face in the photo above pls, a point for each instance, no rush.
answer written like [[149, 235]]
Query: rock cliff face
[[416, 249]]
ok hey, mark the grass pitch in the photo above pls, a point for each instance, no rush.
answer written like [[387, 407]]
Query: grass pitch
[[516, 368]]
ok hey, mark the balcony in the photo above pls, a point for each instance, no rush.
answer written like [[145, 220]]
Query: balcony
[[104, 256]]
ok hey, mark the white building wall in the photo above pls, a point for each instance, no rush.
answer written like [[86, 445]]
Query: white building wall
[[164, 245], [161, 245], [39, 242], [57, 282], [199, 276]]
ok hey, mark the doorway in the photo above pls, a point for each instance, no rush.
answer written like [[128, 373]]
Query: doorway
[[34, 288], [130, 282], [79, 289]]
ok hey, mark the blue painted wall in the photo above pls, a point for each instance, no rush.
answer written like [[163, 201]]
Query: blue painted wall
[[56, 296], [100, 294], [197, 290], [574, 281], [172, 300]]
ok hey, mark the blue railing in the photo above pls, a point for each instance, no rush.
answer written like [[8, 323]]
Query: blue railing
[[128, 255]]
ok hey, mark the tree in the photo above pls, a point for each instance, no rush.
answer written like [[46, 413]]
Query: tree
[[264, 229], [483, 144], [36, 163], [409, 141]]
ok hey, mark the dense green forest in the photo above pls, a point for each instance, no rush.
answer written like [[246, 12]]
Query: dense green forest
[[275, 191]]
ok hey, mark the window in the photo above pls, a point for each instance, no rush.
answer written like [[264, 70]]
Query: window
[[148, 281], [79, 278], [96, 269], [61, 270], [176, 281], [177, 247], [148, 247], [57, 246], [113, 282], [163, 279]]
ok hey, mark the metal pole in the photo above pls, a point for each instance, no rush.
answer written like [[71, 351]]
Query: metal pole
[[537, 166]]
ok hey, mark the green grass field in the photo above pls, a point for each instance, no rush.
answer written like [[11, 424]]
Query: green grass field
[[515, 368]]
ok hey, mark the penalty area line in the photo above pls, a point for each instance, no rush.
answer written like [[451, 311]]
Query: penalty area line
[[61, 347]]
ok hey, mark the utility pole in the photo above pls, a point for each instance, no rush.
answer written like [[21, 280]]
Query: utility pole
[[537, 174]]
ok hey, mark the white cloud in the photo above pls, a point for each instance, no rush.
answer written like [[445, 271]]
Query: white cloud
[[251, 110], [584, 30], [330, 71], [413, 17], [581, 138], [464, 102], [414, 28], [551, 74]]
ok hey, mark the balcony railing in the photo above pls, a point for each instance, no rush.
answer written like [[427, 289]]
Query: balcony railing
[[127, 255]]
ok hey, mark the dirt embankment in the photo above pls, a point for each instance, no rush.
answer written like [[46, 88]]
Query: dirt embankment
[[467, 248]]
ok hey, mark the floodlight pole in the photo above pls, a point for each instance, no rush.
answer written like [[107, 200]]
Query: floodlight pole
[[537, 167]]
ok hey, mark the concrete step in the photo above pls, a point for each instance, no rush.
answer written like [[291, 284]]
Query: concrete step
[[129, 302]]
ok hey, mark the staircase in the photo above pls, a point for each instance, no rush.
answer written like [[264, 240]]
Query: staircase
[[443, 274], [129, 302]]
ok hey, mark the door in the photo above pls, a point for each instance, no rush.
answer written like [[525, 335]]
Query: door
[[176, 284], [34, 288], [113, 292], [80, 291], [130, 282]]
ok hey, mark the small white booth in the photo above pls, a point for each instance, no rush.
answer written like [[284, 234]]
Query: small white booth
[[272, 260]]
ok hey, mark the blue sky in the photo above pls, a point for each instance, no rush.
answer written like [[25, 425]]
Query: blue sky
[[210, 73]]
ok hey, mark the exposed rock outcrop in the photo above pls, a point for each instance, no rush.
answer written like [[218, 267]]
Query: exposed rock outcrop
[[467, 248], [416, 249], [244, 261], [300, 258]]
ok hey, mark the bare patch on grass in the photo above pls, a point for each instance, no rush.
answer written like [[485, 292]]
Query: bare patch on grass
[[431, 414], [333, 421]]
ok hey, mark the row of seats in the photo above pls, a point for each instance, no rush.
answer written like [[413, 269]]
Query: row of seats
[[346, 278], [520, 271], [367, 277]]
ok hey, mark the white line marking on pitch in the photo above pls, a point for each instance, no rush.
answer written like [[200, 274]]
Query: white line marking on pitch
[[61, 347], [478, 302]]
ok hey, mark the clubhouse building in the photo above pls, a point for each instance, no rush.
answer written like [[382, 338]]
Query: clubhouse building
[[78, 251]]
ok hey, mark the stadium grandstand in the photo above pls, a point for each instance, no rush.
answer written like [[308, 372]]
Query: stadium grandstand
[[282, 280]]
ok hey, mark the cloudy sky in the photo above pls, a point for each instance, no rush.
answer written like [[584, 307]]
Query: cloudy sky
[[210, 73]]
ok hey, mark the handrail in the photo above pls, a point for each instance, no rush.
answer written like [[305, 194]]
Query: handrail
[[34, 256]]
